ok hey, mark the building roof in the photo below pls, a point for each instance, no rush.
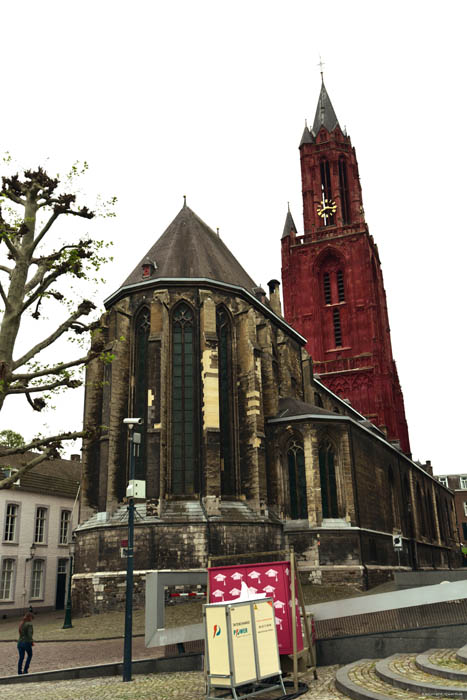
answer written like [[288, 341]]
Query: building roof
[[188, 248], [325, 114], [306, 136], [289, 225], [56, 477], [289, 407]]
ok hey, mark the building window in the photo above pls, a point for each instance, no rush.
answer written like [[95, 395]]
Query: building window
[[40, 525], [11, 522], [140, 402], [344, 191], [336, 319], [463, 482], [443, 480], [465, 507], [327, 288], [421, 510], [327, 473], [65, 522], [184, 401], [297, 481], [464, 531], [326, 190], [224, 335], [318, 400], [6, 579], [340, 285], [37, 579]]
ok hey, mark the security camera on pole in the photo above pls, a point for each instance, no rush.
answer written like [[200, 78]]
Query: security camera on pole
[[134, 488]]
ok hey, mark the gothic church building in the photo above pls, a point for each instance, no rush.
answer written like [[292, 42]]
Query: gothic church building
[[247, 444]]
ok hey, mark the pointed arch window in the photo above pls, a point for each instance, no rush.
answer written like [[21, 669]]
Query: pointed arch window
[[297, 480], [421, 510], [318, 400], [336, 319], [393, 499], [327, 473], [327, 288], [344, 191], [140, 401], [340, 285], [224, 335], [326, 190], [184, 401]]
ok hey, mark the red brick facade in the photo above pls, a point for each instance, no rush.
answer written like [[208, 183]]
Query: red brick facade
[[333, 284]]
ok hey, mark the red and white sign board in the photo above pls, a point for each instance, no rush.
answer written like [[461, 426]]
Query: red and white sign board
[[271, 578]]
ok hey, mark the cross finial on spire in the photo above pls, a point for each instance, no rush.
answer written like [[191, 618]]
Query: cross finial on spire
[[321, 66]]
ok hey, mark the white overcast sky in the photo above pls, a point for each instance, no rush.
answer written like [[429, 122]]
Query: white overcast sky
[[209, 99]]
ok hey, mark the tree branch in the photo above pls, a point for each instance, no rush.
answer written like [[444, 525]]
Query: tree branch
[[8, 482], [46, 228], [54, 370], [24, 389], [83, 309], [3, 295], [43, 286], [6, 269], [9, 245], [50, 443]]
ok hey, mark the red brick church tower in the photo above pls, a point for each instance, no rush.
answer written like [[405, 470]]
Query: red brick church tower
[[332, 280]]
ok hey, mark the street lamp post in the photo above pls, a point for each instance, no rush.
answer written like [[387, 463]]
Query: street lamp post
[[67, 621], [134, 440]]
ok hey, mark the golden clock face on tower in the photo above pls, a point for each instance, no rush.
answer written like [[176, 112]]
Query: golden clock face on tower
[[327, 208]]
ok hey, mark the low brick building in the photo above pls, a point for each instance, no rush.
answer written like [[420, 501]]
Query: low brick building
[[243, 449]]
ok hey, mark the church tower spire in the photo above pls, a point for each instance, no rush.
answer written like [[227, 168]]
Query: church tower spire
[[333, 283]]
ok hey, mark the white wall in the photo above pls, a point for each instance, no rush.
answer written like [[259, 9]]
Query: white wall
[[50, 552]]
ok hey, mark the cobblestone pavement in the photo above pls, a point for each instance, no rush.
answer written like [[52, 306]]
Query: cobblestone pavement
[[447, 659], [49, 656], [364, 676], [161, 686], [405, 666]]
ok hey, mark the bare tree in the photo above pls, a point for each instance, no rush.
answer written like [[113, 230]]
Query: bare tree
[[30, 205]]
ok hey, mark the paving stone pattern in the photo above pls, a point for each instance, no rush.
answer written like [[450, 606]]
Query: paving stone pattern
[[163, 686], [48, 656], [404, 665]]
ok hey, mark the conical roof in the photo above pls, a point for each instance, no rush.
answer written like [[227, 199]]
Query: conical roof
[[325, 114], [306, 136], [289, 225], [189, 249]]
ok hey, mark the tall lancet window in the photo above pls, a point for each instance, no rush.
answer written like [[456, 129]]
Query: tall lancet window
[[140, 402], [224, 334], [327, 203], [297, 481], [184, 401], [344, 191], [327, 473]]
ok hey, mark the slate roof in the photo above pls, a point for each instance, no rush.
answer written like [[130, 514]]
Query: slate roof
[[188, 248], [56, 477], [289, 407], [325, 114], [289, 225], [306, 136]]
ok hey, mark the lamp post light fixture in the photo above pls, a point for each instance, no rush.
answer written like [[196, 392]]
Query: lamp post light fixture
[[32, 551], [67, 621], [135, 441]]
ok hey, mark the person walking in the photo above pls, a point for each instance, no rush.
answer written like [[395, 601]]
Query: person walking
[[25, 643]]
